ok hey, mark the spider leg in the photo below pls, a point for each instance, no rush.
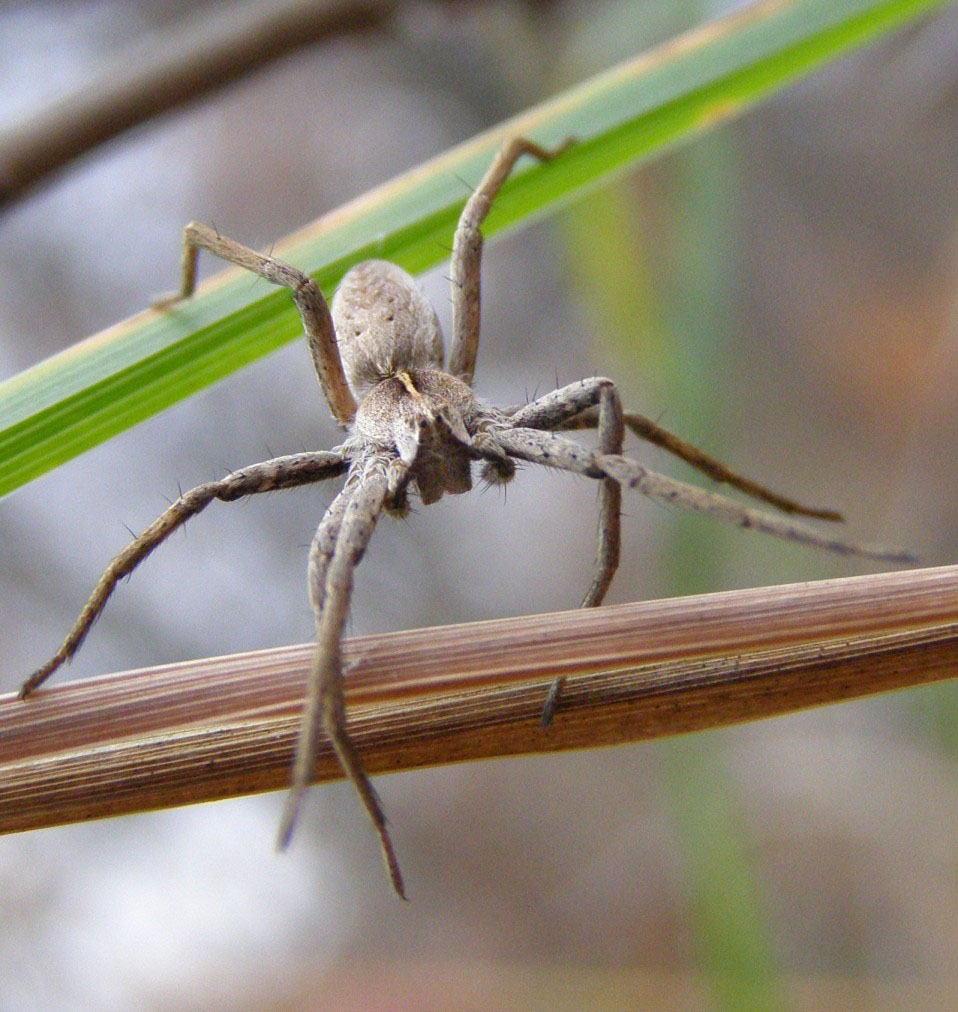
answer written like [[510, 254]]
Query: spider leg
[[323, 547], [575, 407], [555, 408], [498, 468], [554, 450], [651, 432], [280, 472], [467, 252], [317, 322], [324, 543], [348, 526], [611, 435]]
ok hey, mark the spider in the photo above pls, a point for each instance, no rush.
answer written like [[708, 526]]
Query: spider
[[414, 424]]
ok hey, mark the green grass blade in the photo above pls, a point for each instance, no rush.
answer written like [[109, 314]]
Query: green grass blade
[[109, 382]]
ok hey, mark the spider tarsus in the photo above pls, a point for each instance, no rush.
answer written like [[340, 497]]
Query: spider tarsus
[[164, 303], [498, 472], [40, 676], [833, 516], [395, 875], [551, 703], [287, 822]]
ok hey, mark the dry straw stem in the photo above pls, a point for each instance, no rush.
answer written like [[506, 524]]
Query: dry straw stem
[[226, 726]]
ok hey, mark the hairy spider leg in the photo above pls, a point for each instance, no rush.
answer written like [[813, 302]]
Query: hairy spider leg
[[575, 407], [337, 548], [554, 450], [280, 472], [465, 265], [652, 432], [550, 411], [309, 299]]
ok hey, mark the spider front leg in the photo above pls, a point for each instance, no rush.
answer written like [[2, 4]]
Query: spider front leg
[[554, 450], [466, 263], [280, 472], [339, 544], [575, 407], [526, 440], [652, 432], [549, 412], [317, 322]]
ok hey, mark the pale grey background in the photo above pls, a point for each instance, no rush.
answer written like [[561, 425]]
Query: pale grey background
[[841, 390]]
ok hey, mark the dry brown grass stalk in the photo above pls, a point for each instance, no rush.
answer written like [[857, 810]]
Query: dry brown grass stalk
[[225, 726]]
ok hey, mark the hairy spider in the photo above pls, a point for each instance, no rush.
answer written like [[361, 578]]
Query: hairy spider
[[414, 423]]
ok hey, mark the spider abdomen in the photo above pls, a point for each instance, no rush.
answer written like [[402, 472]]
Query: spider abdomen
[[384, 324]]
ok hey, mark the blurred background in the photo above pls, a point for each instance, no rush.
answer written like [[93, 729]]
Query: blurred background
[[783, 292]]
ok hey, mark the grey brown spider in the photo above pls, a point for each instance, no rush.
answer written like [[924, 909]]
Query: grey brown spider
[[414, 424]]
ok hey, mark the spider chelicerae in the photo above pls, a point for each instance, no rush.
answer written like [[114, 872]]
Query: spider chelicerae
[[414, 424]]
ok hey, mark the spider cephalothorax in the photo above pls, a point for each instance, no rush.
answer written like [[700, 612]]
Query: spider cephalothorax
[[429, 421], [416, 425]]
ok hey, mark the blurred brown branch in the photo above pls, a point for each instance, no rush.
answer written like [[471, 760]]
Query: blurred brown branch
[[194, 56], [225, 726]]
